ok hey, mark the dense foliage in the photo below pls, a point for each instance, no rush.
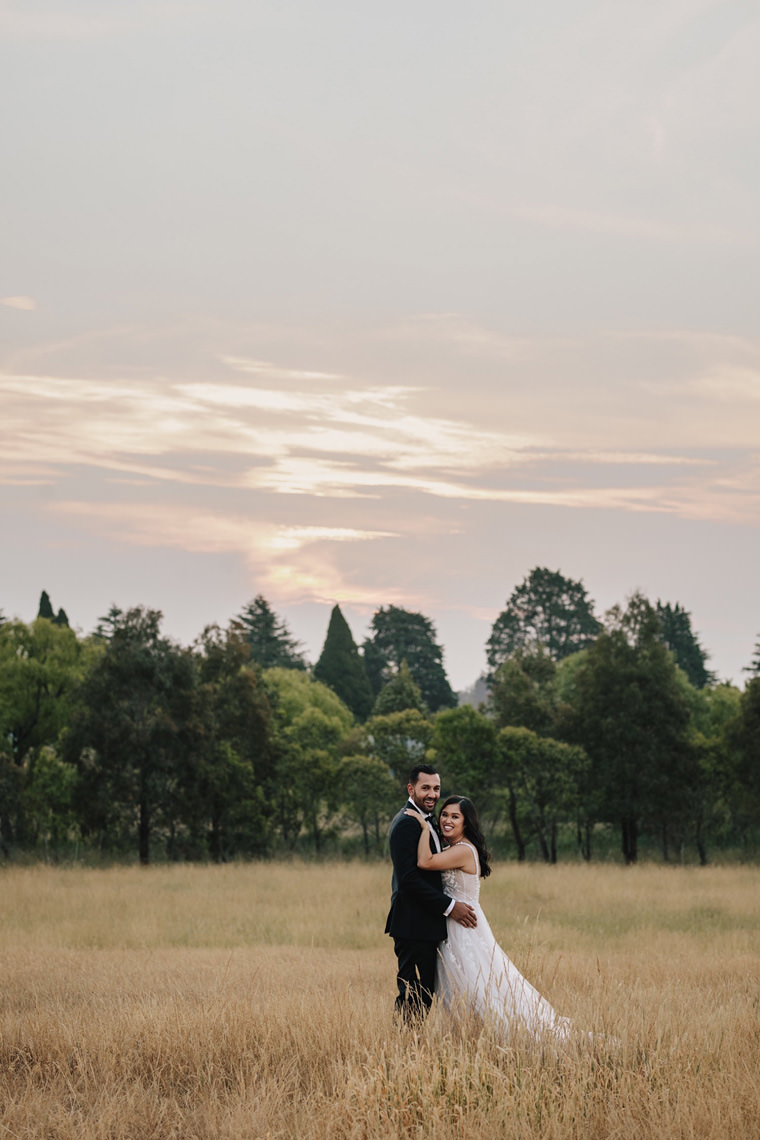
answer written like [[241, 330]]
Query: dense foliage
[[125, 743], [546, 610], [400, 636]]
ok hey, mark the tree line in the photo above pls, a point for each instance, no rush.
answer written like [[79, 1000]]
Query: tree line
[[124, 742]]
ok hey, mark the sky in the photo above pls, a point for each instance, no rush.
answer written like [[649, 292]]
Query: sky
[[379, 304]]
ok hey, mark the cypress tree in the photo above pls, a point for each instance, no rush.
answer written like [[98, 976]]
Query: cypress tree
[[341, 667], [46, 609]]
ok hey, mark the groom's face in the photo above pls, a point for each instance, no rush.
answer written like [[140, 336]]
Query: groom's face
[[426, 792]]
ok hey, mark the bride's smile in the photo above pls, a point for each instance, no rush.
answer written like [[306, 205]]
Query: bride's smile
[[452, 823]]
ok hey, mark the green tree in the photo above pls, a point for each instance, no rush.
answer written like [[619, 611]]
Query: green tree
[[632, 718], [754, 665], [523, 692], [342, 668], [400, 692], [468, 751], [11, 788], [465, 752], [229, 776], [369, 795], [546, 610], [400, 739], [566, 704], [716, 800], [130, 730], [48, 799], [310, 723], [374, 665], [744, 736], [45, 609], [272, 644], [545, 778], [109, 624], [40, 665], [676, 632], [400, 635]]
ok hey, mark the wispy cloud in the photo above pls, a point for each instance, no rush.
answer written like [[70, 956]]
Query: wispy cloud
[[342, 441], [274, 372], [296, 561], [470, 337], [629, 458], [313, 479], [729, 384], [25, 303], [191, 528], [75, 420]]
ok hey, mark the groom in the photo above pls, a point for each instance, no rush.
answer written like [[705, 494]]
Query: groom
[[419, 908]]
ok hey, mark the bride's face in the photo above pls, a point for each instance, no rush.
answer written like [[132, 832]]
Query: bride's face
[[452, 823]]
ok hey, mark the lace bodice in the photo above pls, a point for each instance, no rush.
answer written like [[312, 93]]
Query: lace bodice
[[457, 884]]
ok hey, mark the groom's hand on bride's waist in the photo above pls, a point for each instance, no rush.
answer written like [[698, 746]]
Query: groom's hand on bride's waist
[[463, 913]]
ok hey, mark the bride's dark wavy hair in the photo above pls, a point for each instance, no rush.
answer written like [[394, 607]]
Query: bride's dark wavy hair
[[472, 831]]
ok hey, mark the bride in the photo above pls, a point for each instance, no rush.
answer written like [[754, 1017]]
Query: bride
[[473, 971]]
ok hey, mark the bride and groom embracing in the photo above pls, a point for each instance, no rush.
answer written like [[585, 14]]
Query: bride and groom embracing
[[441, 936]]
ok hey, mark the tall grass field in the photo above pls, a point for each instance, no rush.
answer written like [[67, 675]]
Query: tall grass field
[[255, 1000]]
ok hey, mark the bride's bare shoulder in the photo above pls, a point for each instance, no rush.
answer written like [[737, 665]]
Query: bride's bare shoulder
[[473, 858]]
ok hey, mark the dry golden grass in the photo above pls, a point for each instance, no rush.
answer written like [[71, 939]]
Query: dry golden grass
[[227, 1003]]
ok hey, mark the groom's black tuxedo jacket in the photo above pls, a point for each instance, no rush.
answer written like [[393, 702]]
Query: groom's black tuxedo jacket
[[417, 899]]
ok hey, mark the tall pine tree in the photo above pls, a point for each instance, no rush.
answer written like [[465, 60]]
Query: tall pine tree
[[341, 667], [753, 667], [272, 644], [676, 632]]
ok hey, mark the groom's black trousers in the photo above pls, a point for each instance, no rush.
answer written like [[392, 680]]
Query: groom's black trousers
[[416, 976]]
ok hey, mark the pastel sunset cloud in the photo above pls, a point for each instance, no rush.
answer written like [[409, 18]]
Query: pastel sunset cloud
[[354, 442], [27, 304]]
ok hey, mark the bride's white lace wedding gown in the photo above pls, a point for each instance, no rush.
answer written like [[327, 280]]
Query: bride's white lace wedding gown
[[474, 973]]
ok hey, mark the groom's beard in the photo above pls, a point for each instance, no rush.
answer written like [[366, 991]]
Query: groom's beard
[[421, 808], [432, 822]]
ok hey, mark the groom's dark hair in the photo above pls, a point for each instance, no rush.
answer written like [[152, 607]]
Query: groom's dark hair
[[420, 769]]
